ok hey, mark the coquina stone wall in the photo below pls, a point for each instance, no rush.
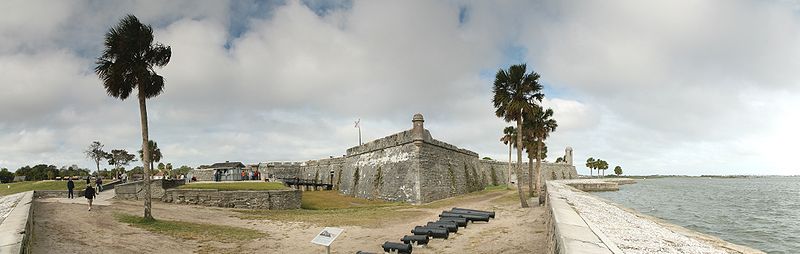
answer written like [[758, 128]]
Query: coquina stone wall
[[550, 171], [135, 190], [271, 200], [409, 166]]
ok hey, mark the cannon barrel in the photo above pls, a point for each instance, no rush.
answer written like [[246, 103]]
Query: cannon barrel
[[470, 213], [469, 217], [364, 252], [399, 247], [419, 239], [434, 232], [449, 225], [491, 214], [461, 222]]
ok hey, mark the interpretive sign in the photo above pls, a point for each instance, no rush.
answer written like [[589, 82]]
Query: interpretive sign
[[326, 237]]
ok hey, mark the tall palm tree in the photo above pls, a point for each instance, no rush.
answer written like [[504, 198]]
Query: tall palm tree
[[515, 93], [542, 125], [590, 165], [509, 138], [155, 153], [601, 164], [126, 64]]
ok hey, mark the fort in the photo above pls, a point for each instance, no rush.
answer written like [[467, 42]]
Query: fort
[[409, 166]]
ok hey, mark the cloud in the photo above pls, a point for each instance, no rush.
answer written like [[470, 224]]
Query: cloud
[[672, 87]]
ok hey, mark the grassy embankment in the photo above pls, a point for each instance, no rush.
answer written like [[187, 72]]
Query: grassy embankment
[[191, 231], [332, 209], [233, 186], [11, 188]]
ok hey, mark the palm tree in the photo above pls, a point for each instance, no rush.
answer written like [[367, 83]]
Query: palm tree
[[515, 93], [590, 165], [543, 124], [126, 64], [601, 164], [618, 170], [509, 138], [155, 153]]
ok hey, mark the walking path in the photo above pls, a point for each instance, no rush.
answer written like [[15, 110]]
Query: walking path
[[103, 199]]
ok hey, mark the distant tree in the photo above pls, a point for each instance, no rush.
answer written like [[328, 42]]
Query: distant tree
[[618, 170], [95, 153], [560, 160], [155, 153], [120, 157], [516, 93], [590, 165], [183, 170], [6, 176], [38, 172], [601, 165], [509, 138], [127, 63]]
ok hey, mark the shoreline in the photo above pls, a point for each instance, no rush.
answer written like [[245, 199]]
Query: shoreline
[[615, 228]]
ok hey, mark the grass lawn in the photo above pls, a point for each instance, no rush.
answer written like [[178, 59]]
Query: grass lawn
[[232, 186], [11, 188], [191, 231], [332, 209]]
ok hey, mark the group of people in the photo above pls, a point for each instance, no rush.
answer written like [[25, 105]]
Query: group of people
[[250, 175], [89, 192]]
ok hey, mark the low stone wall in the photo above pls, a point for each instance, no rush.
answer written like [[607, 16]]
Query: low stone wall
[[135, 190], [268, 200], [16, 230], [65, 193]]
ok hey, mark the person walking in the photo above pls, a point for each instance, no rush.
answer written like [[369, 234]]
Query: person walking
[[99, 183], [70, 187], [89, 194], [88, 179]]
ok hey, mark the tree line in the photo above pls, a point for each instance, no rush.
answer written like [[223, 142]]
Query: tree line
[[598, 164]]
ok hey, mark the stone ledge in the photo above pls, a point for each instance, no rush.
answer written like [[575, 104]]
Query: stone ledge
[[17, 229], [246, 199]]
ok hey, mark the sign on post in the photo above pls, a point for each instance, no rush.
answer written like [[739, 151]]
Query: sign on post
[[327, 236]]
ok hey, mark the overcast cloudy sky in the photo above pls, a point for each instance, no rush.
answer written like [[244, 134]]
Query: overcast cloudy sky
[[658, 87]]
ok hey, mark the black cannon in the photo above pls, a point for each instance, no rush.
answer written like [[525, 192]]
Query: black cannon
[[461, 222], [434, 232], [449, 225], [491, 214], [469, 217], [486, 215], [399, 247], [419, 239], [364, 252]]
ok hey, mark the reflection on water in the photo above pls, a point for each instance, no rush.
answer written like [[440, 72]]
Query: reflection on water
[[763, 213]]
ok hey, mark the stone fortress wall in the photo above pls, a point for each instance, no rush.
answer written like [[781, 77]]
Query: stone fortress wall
[[409, 166]]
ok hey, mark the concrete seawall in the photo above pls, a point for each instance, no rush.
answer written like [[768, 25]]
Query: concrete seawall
[[579, 222], [16, 229]]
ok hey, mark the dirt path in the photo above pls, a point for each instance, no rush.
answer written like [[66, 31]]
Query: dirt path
[[69, 227]]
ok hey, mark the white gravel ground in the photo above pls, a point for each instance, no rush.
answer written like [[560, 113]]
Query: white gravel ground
[[7, 203], [631, 233]]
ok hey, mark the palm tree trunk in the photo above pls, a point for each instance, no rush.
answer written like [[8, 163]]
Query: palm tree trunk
[[539, 167], [98, 165], [508, 176], [146, 157], [530, 175], [522, 198]]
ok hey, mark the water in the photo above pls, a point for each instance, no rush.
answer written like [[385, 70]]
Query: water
[[763, 213]]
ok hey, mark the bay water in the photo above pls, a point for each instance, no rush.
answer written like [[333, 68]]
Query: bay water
[[759, 212]]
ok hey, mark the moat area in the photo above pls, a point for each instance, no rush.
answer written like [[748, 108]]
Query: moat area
[[757, 212]]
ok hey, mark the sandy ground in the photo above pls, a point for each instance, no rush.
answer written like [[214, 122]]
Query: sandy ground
[[70, 228]]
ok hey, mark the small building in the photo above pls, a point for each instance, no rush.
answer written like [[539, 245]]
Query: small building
[[222, 171]]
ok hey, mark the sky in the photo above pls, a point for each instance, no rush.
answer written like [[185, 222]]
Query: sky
[[657, 87]]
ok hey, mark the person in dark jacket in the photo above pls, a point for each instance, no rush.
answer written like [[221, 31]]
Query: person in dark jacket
[[99, 183], [88, 180], [70, 187], [89, 194]]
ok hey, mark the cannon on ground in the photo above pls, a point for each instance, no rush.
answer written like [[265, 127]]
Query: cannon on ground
[[491, 214], [461, 222], [449, 225], [419, 239], [399, 247], [434, 232], [364, 252], [469, 217]]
